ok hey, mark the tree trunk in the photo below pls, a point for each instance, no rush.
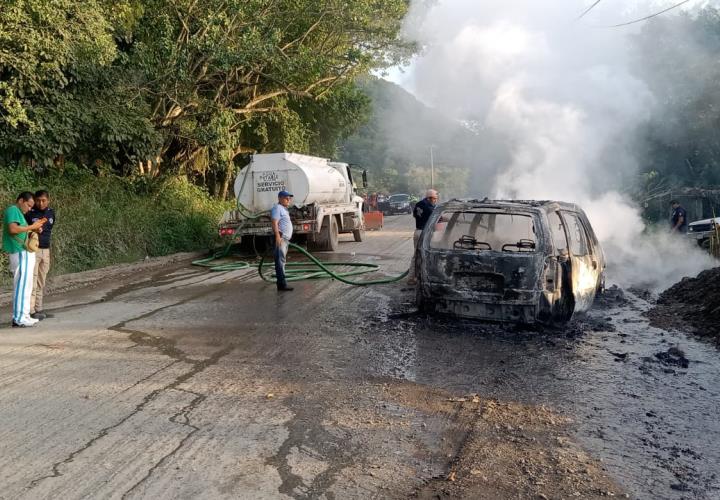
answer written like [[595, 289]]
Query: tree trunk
[[226, 181]]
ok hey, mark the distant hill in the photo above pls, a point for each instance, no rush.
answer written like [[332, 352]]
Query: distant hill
[[394, 146]]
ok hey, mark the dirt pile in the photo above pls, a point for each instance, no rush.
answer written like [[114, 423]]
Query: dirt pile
[[516, 451], [693, 304]]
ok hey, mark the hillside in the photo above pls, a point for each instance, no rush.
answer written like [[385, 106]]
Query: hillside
[[395, 145]]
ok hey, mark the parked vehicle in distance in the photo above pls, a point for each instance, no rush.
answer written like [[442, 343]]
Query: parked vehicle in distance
[[399, 204], [702, 230], [383, 204], [509, 261]]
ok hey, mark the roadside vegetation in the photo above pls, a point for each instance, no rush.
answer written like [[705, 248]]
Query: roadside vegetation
[[107, 219], [137, 114]]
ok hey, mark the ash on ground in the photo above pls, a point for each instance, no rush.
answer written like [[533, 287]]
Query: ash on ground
[[691, 305]]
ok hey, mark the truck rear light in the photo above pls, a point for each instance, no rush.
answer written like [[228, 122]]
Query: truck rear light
[[306, 227]]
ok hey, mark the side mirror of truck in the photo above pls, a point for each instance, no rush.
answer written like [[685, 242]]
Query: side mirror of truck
[[364, 178]]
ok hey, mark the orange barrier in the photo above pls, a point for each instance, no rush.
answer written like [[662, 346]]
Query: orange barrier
[[373, 220]]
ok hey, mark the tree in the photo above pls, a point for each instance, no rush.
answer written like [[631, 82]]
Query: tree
[[186, 86], [47, 51], [225, 77], [677, 57]]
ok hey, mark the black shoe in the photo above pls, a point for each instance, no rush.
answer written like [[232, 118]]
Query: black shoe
[[285, 289], [39, 315], [47, 315]]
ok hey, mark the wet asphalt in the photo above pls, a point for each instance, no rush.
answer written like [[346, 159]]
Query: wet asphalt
[[184, 383]]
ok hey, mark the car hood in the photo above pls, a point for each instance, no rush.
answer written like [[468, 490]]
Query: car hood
[[705, 221]]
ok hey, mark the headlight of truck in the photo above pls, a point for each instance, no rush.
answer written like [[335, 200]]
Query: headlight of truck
[[691, 229]]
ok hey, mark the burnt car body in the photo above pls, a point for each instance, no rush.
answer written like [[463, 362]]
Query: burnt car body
[[509, 261]]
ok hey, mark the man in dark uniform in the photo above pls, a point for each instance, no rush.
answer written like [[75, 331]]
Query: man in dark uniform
[[678, 221], [422, 211], [41, 211]]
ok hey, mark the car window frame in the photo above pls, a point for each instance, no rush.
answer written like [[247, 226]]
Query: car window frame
[[589, 243]]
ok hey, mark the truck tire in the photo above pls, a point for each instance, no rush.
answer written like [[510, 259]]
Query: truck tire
[[333, 235], [327, 239], [359, 234]]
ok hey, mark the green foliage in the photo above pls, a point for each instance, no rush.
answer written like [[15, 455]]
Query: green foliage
[[108, 219], [159, 86], [49, 53], [677, 57]]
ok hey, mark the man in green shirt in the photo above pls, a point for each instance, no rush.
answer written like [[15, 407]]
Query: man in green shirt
[[22, 262]]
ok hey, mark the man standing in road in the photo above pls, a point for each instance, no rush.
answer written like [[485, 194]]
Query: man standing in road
[[22, 262], [41, 210], [678, 220], [422, 211], [282, 229]]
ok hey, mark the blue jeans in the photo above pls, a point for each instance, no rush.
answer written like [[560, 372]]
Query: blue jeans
[[280, 255]]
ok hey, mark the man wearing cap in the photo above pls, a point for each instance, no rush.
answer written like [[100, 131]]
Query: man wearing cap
[[282, 228]]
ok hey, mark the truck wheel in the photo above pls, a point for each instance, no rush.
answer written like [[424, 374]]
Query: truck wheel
[[359, 234], [334, 233], [327, 240]]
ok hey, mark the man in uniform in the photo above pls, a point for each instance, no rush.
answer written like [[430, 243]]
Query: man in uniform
[[41, 210], [678, 220], [422, 211], [282, 229]]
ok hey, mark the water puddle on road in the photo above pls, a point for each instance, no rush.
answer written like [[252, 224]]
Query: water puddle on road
[[645, 401]]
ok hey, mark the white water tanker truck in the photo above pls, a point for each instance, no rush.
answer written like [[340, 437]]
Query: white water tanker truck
[[324, 205]]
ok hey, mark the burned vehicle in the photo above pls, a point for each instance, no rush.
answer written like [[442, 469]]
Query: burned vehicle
[[509, 261]]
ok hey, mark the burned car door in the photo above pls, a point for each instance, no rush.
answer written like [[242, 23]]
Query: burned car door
[[559, 301], [584, 265]]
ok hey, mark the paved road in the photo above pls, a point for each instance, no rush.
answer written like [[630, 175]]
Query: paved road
[[181, 383], [185, 383]]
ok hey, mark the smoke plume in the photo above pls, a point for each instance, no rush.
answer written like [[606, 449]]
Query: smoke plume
[[563, 94]]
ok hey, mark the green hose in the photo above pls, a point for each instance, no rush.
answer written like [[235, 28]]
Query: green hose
[[325, 272], [297, 271]]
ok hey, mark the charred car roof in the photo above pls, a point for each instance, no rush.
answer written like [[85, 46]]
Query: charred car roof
[[458, 203]]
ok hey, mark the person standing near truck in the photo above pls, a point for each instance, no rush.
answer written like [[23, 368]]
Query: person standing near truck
[[41, 210], [282, 229], [421, 212], [22, 262]]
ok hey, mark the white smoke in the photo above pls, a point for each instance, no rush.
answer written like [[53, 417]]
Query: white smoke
[[562, 90]]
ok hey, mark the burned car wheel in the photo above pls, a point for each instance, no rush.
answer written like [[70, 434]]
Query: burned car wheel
[[423, 305]]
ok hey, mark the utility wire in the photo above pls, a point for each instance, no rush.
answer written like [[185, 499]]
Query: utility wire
[[651, 16], [586, 11]]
